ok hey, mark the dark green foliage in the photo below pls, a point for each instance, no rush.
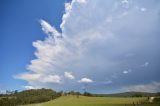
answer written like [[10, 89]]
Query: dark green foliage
[[158, 93], [35, 96], [157, 100], [29, 96], [137, 95], [8, 101], [87, 94], [73, 93]]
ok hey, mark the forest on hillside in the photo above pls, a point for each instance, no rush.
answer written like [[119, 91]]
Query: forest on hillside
[[15, 98]]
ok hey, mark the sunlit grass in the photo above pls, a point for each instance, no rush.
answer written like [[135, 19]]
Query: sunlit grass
[[90, 101]]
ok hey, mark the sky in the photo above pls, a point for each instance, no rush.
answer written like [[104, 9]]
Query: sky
[[100, 46]]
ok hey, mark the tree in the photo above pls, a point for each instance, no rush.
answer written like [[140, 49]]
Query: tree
[[158, 93], [87, 94], [137, 95]]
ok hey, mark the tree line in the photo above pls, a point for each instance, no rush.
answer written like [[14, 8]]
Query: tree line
[[28, 96]]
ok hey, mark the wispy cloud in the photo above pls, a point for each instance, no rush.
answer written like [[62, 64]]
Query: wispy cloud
[[48, 29]]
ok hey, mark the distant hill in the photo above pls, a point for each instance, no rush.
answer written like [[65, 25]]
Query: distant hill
[[128, 94]]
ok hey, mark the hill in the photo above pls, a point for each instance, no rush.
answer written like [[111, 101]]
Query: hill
[[28, 97], [128, 94]]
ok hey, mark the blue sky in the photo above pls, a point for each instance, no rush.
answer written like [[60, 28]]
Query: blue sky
[[19, 28], [72, 45]]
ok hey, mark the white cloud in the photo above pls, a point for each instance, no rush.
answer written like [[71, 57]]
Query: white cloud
[[145, 64], [68, 8], [81, 1], [127, 71], [143, 9], [68, 75], [125, 4], [85, 80], [29, 87], [43, 78], [150, 87], [125, 1], [48, 29], [28, 76], [52, 79]]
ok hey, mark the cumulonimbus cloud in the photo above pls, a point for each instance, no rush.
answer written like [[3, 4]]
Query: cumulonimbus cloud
[[96, 40]]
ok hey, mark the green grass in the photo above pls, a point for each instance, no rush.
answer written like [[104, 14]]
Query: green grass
[[90, 101]]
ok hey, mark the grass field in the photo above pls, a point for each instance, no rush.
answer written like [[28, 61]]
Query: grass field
[[91, 101]]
